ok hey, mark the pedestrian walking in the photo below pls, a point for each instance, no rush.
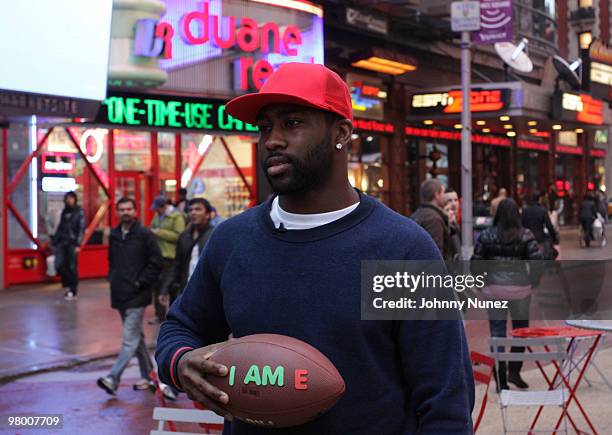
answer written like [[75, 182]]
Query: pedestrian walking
[[215, 217], [505, 241], [501, 195], [602, 205], [451, 198], [67, 245], [430, 215], [134, 261], [167, 225], [536, 218], [588, 214], [454, 231], [292, 266], [191, 243], [181, 204]]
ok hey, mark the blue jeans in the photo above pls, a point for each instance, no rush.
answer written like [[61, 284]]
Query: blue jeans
[[132, 344]]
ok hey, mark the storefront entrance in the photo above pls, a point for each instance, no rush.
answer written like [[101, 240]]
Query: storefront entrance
[[135, 185], [102, 165]]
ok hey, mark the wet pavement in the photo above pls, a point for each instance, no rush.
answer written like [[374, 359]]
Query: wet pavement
[[40, 330], [54, 350], [85, 408]]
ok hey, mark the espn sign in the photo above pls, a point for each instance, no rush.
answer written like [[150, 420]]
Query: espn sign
[[490, 100]]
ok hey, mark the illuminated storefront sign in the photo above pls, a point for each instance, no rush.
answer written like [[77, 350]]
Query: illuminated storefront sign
[[489, 100], [600, 66], [601, 73], [95, 136], [567, 138], [380, 127], [531, 145], [578, 107], [57, 163], [601, 137], [368, 97], [214, 31], [567, 149], [58, 184], [598, 153], [456, 136], [169, 112]]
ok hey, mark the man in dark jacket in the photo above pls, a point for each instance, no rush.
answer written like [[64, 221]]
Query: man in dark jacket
[[535, 218], [134, 261], [67, 244], [588, 214], [191, 242], [430, 215]]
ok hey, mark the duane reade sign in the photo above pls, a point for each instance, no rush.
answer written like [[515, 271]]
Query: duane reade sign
[[465, 16]]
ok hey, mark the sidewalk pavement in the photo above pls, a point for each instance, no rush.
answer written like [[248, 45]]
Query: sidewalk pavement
[[40, 331], [571, 250], [595, 399]]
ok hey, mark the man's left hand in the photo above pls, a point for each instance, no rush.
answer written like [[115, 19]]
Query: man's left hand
[[77, 250]]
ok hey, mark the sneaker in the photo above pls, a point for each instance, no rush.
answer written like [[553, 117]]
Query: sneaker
[[167, 391], [70, 296], [108, 384], [144, 384]]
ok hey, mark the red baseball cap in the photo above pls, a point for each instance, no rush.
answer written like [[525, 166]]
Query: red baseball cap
[[303, 84]]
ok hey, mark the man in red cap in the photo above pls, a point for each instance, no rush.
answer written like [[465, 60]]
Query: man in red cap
[[292, 266]]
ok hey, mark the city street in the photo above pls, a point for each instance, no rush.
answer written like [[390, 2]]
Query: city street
[[266, 155], [54, 350]]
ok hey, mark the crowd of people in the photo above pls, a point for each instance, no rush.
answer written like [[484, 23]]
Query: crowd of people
[[514, 235], [143, 261], [279, 260]]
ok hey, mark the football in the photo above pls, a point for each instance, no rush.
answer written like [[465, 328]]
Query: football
[[276, 381]]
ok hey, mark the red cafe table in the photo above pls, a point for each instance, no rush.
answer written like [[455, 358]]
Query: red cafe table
[[571, 334]]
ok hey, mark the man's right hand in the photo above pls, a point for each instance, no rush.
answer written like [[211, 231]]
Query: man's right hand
[[192, 370]]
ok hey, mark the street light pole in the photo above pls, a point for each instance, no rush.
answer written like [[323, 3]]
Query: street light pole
[[466, 150]]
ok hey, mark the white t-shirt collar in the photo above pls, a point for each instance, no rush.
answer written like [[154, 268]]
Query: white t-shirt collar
[[295, 221]]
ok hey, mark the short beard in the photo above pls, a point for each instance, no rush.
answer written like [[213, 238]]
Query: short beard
[[305, 175]]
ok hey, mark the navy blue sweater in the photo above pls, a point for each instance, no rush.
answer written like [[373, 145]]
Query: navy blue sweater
[[402, 377]]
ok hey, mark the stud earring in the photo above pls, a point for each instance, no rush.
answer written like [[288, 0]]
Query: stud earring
[[338, 146]]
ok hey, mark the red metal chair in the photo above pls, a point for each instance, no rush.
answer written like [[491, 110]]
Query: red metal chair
[[483, 377]]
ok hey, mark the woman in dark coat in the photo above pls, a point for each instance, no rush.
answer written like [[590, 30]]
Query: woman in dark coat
[[505, 242], [588, 214]]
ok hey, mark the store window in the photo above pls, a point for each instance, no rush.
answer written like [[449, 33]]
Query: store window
[[599, 174], [366, 169], [437, 162], [166, 160], [68, 159], [585, 3], [527, 173], [18, 149], [63, 169], [132, 150], [219, 168]]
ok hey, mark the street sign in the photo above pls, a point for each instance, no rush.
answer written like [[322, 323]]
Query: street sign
[[465, 16], [495, 21]]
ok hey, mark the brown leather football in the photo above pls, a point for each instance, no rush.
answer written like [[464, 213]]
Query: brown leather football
[[276, 380]]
